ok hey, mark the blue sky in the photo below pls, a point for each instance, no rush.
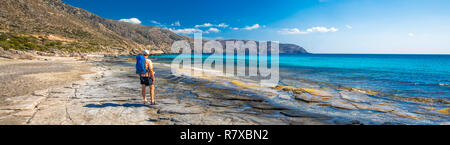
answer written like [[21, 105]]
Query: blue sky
[[320, 26]]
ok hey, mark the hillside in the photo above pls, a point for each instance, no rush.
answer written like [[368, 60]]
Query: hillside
[[52, 25], [283, 47], [54, 20]]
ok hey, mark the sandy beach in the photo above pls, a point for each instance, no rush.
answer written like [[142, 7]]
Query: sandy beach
[[66, 90]]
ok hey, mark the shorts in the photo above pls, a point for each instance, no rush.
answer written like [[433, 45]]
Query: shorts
[[147, 81]]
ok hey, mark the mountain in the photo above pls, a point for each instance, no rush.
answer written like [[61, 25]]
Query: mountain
[[54, 20], [283, 48], [52, 25]]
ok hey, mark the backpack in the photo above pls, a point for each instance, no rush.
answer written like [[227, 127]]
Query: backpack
[[140, 64]]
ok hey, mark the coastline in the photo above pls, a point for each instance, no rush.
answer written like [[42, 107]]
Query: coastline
[[317, 90], [104, 90], [109, 93]]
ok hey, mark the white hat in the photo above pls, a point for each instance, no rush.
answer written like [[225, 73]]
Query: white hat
[[146, 52]]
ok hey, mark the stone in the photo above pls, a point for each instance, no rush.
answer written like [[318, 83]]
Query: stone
[[405, 114], [294, 114], [284, 96], [376, 107], [41, 93], [369, 92], [353, 96], [28, 104], [317, 92], [5, 112], [265, 106], [168, 101], [342, 105], [26, 113], [311, 98], [178, 109], [445, 111]]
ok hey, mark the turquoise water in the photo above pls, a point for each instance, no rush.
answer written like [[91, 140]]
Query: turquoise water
[[407, 76]]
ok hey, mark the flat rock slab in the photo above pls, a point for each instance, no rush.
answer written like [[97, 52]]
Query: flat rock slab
[[24, 103], [266, 106], [342, 105], [317, 92], [26, 113], [379, 108], [300, 114], [306, 97], [178, 109], [4, 112], [167, 101], [355, 97]]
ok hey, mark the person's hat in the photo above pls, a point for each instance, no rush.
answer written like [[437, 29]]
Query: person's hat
[[146, 52]]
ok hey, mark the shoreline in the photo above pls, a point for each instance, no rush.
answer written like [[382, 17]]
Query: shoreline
[[105, 90], [111, 95], [344, 102]]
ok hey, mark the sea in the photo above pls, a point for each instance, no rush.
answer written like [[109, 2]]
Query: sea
[[416, 87]]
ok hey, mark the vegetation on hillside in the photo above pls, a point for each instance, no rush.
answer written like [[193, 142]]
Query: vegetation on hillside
[[26, 43]]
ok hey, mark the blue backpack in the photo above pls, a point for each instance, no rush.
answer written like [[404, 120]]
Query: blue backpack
[[140, 64]]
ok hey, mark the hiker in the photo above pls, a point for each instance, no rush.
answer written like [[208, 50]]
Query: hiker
[[144, 68]]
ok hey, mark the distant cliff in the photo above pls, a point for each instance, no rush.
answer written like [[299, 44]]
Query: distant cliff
[[284, 48]]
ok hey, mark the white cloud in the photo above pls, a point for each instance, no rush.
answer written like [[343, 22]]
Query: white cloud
[[177, 23], [222, 25], [155, 22], [290, 31], [307, 31], [411, 34], [131, 20], [256, 26], [204, 25], [349, 27], [215, 30], [186, 30]]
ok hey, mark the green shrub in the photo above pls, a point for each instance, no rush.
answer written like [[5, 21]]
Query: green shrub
[[25, 43]]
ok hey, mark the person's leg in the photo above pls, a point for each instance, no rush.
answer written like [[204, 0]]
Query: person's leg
[[143, 93], [152, 93]]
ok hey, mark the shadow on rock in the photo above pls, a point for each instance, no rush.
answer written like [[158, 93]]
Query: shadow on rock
[[114, 105]]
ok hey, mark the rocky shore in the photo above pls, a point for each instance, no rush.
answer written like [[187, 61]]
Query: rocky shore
[[108, 92]]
